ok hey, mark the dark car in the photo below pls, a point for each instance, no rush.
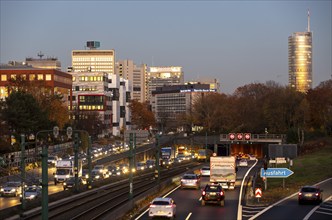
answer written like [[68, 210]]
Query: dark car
[[70, 183], [310, 194], [213, 193]]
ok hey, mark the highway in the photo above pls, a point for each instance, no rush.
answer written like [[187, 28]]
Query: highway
[[290, 209], [189, 206]]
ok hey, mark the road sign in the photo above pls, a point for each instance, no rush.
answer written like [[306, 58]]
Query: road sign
[[258, 192], [276, 172]]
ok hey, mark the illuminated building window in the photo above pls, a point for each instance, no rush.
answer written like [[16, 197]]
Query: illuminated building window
[[40, 77], [32, 77], [48, 77], [3, 77], [13, 76]]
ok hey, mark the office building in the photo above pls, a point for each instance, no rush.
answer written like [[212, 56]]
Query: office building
[[127, 69], [93, 60], [300, 60], [44, 63], [171, 103], [163, 76], [91, 94], [58, 82]]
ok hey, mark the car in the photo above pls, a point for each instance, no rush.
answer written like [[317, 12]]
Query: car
[[162, 207], [205, 171], [243, 163], [32, 192], [150, 163], [213, 193], [51, 160], [190, 180], [114, 170], [252, 157], [141, 166], [102, 171], [11, 189], [310, 194], [70, 183]]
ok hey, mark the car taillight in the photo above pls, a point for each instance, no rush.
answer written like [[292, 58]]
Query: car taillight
[[300, 194], [169, 206], [221, 193], [152, 206], [203, 193], [317, 194]]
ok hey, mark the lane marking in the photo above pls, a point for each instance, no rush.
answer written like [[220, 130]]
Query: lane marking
[[324, 213], [188, 216], [239, 207], [313, 210], [277, 203], [138, 217]]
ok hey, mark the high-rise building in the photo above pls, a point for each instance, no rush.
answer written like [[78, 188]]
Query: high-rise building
[[127, 69], [164, 76], [93, 60], [300, 60]]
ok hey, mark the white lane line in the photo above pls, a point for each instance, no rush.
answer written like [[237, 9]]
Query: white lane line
[[313, 210], [324, 213], [261, 212], [250, 207], [138, 217], [239, 207], [327, 209], [188, 216]]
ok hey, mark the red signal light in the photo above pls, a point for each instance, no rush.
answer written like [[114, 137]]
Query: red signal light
[[247, 136], [239, 136], [231, 136]]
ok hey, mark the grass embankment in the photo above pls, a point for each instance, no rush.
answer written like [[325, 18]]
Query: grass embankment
[[312, 167]]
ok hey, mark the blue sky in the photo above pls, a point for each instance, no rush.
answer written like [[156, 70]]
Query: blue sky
[[236, 42]]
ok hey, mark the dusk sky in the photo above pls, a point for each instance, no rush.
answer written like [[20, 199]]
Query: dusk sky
[[235, 42]]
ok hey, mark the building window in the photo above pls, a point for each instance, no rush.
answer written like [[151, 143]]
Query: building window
[[3, 77], [32, 77], [48, 77], [13, 76], [40, 77]]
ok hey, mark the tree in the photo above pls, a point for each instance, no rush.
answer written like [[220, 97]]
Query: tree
[[141, 116], [23, 114]]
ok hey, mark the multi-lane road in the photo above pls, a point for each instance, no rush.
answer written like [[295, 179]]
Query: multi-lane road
[[189, 205]]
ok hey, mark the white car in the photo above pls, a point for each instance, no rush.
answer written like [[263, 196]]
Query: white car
[[162, 207], [243, 163], [32, 192], [205, 171], [11, 189]]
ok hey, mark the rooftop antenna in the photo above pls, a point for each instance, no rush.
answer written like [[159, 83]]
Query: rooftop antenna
[[40, 54], [308, 20]]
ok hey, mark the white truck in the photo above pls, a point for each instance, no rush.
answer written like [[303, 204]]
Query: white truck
[[65, 169], [223, 171]]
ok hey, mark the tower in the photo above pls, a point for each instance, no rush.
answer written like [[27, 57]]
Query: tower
[[300, 59]]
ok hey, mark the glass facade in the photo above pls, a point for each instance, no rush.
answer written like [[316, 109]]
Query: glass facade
[[300, 61]]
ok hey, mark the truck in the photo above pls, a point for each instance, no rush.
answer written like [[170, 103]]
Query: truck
[[223, 171], [65, 169], [204, 154], [167, 155]]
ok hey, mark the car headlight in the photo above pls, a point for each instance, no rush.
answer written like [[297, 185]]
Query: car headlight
[[64, 184], [13, 190], [56, 176], [67, 176], [1, 190]]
